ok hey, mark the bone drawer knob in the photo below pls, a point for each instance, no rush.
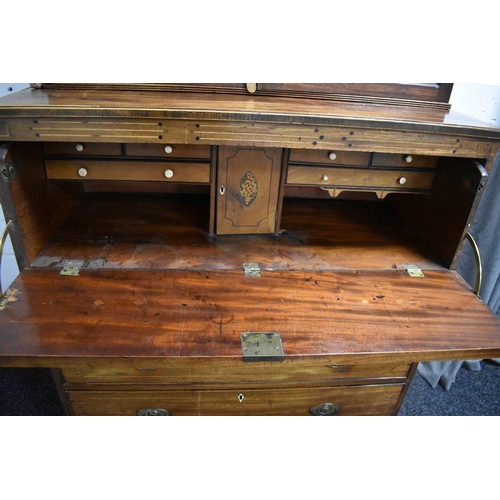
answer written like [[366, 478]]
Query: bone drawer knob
[[402, 180], [82, 172], [332, 156], [79, 147], [408, 159], [169, 173], [168, 149], [325, 177]]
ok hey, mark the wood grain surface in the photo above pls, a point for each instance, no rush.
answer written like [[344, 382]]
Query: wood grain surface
[[248, 183], [359, 177], [178, 151], [203, 372], [89, 149], [74, 103], [128, 171], [40, 207], [170, 232], [364, 400], [380, 316], [323, 157]]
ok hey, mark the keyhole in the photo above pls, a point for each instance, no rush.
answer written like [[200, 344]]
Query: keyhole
[[241, 398], [222, 190]]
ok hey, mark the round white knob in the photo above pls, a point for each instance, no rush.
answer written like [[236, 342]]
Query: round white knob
[[168, 149], [325, 177], [79, 147], [169, 173], [408, 159], [82, 172], [402, 180], [332, 156]]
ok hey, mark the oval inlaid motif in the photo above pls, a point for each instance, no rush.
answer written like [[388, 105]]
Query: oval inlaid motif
[[248, 188]]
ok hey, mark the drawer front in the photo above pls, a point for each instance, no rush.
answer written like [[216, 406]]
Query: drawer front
[[82, 149], [359, 178], [128, 171], [203, 372], [397, 160], [329, 157], [169, 151], [359, 400]]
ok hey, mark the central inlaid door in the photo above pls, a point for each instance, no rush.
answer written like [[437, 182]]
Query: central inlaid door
[[248, 189]]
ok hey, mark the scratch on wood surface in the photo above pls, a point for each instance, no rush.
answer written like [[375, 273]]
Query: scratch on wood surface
[[182, 315]]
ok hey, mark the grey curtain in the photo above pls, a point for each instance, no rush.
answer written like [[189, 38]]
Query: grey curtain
[[486, 232]]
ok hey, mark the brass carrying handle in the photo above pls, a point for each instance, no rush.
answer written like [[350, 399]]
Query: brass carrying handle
[[2, 244], [479, 267]]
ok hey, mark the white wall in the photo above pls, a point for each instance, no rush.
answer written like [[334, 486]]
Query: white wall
[[482, 101], [9, 270]]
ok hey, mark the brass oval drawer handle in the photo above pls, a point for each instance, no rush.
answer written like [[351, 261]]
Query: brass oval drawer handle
[[153, 412], [325, 409]]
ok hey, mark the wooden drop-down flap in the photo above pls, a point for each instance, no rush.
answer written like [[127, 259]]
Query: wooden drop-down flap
[[328, 316]]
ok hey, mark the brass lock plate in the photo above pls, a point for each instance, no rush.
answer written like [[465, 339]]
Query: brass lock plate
[[262, 346]]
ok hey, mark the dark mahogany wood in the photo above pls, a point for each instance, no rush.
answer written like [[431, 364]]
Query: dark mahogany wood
[[170, 232], [248, 188], [156, 314], [135, 313], [53, 104]]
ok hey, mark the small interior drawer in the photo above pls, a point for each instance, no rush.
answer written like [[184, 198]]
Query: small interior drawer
[[327, 157], [359, 178], [398, 160], [128, 171], [82, 149], [358, 400], [169, 151]]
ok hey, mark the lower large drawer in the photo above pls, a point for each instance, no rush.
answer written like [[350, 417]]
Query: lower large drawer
[[358, 400]]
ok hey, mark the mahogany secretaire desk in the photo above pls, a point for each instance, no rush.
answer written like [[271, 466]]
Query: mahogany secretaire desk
[[240, 249]]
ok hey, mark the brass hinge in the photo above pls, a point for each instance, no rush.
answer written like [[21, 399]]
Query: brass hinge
[[252, 270], [414, 271], [72, 267], [257, 346]]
